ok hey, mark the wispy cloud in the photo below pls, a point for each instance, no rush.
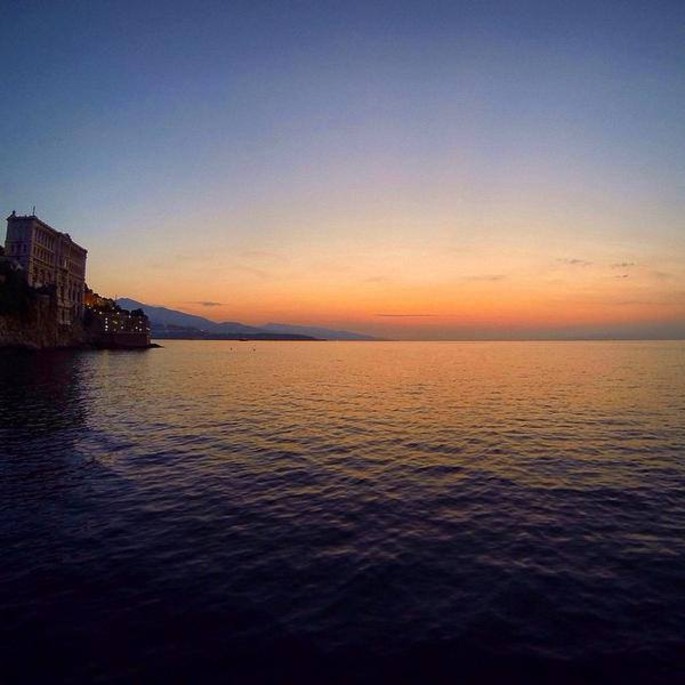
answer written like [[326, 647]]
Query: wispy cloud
[[632, 303], [573, 261], [623, 265], [207, 303], [376, 279], [486, 277], [407, 315]]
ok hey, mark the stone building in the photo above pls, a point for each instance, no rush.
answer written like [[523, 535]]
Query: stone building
[[49, 258]]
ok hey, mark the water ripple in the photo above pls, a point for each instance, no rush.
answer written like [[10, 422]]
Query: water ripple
[[344, 513]]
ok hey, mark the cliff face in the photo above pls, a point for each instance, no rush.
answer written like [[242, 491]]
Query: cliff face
[[35, 327], [28, 317]]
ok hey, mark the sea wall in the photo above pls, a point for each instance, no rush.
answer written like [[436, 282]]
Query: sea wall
[[119, 340]]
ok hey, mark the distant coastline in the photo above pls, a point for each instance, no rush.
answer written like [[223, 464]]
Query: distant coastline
[[200, 335], [166, 323]]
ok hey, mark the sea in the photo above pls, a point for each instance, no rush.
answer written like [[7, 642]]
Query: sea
[[344, 512]]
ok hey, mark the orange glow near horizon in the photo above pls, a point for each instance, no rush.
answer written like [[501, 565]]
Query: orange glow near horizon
[[438, 304], [532, 263]]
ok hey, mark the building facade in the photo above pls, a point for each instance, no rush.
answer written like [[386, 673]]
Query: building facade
[[49, 258]]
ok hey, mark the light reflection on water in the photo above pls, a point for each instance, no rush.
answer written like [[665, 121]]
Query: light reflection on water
[[465, 505]]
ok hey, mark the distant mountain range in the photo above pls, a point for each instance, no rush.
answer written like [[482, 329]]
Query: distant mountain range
[[171, 323]]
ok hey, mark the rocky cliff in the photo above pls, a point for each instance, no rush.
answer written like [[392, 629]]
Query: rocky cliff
[[36, 327], [29, 318]]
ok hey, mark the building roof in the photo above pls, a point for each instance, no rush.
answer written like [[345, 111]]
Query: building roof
[[24, 217]]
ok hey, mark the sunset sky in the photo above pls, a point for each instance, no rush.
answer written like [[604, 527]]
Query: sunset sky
[[405, 169]]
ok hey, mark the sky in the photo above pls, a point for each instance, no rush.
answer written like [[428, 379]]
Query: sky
[[413, 170]]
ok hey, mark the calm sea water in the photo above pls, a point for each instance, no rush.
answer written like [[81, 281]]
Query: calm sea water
[[217, 512]]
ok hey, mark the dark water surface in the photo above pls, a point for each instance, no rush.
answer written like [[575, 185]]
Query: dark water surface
[[217, 512]]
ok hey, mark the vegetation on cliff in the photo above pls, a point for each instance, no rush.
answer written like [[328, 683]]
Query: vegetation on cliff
[[16, 297]]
